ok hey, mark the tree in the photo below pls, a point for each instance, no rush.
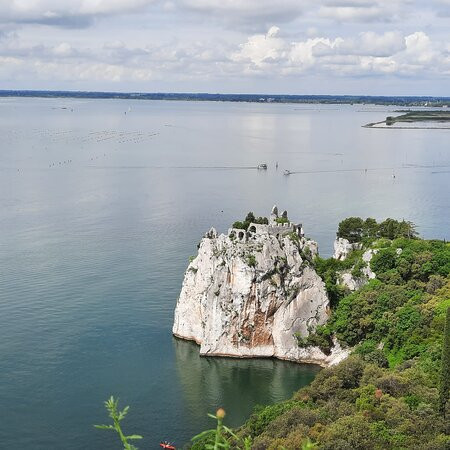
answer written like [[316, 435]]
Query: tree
[[250, 217], [370, 228], [351, 229]]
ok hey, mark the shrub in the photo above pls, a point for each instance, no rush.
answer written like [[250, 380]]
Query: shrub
[[263, 416], [281, 220], [250, 218], [322, 338], [383, 261], [348, 433], [377, 357], [239, 225], [285, 423], [251, 260]]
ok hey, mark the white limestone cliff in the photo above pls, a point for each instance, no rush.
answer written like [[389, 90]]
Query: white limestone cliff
[[343, 247], [249, 293]]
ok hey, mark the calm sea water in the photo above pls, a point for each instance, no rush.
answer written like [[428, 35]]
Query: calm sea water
[[99, 213]]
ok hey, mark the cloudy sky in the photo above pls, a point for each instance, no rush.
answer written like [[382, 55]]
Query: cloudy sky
[[391, 47]]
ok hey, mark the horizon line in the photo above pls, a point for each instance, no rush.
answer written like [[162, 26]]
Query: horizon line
[[79, 91]]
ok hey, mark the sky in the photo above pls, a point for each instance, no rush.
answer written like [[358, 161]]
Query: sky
[[360, 47]]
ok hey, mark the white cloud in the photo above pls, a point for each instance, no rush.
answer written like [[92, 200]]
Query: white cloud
[[369, 43], [419, 48], [369, 54], [261, 49], [64, 12], [303, 54], [63, 49]]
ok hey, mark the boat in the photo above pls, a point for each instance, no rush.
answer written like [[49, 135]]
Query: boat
[[167, 445], [262, 166], [287, 172]]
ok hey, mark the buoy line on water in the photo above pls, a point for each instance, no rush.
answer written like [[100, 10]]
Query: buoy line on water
[[404, 167]]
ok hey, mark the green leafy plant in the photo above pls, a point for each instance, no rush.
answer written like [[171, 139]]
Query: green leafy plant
[[294, 237], [220, 437], [112, 406]]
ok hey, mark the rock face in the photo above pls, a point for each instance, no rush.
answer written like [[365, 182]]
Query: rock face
[[343, 247], [248, 293], [354, 283]]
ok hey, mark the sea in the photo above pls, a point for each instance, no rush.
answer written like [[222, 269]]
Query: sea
[[103, 201]]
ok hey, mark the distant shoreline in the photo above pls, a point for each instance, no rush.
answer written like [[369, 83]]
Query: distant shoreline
[[429, 101]]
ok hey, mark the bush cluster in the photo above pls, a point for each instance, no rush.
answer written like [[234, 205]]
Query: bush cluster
[[356, 229], [250, 218]]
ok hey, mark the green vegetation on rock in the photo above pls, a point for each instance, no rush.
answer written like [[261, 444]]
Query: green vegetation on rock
[[250, 218], [282, 220]]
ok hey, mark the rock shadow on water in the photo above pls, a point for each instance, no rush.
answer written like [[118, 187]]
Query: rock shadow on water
[[236, 384]]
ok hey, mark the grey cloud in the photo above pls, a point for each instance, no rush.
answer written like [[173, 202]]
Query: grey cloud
[[365, 10], [255, 15], [66, 13], [442, 7]]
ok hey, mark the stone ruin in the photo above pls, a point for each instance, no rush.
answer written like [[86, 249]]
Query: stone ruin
[[273, 228]]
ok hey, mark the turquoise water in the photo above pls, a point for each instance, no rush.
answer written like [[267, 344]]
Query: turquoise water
[[99, 213]]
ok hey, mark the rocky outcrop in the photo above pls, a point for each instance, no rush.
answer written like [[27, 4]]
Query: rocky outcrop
[[250, 292], [355, 282], [343, 247]]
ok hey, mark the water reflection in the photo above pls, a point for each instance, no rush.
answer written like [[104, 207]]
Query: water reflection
[[235, 384]]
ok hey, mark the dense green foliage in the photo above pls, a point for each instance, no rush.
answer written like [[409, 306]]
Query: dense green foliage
[[444, 391], [356, 405], [250, 218], [393, 310], [328, 270], [393, 392], [356, 229]]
